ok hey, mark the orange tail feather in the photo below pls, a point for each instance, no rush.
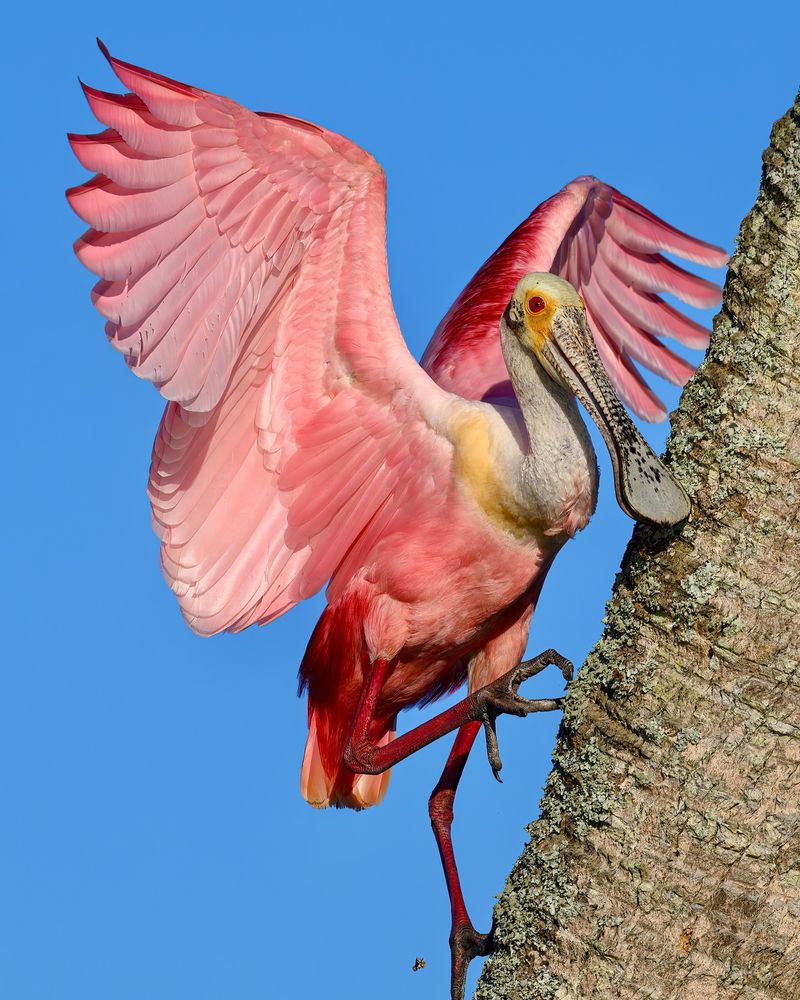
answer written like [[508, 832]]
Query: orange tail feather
[[338, 786], [332, 672]]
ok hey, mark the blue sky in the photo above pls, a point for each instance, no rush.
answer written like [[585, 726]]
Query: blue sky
[[153, 843]]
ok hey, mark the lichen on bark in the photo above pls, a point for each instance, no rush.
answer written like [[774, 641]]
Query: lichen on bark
[[666, 860]]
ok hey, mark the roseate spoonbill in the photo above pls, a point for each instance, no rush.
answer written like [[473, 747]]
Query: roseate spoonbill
[[243, 271]]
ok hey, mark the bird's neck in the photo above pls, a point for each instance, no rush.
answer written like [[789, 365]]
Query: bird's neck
[[560, 457], [548, 409]]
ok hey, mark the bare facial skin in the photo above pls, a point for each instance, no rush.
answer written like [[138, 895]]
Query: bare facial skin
[[547, 314]]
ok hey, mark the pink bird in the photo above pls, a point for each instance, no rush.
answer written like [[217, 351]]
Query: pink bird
[[242, 265]]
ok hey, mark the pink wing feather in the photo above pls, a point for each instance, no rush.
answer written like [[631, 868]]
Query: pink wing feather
[[610, 248], [243, 271]]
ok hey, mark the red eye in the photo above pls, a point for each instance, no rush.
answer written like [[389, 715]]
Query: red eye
[[536, 304]]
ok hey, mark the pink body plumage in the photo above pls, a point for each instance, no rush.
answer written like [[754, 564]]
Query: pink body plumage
[[303, 444]]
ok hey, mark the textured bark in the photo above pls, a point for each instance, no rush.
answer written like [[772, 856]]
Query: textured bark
[[666, 861]]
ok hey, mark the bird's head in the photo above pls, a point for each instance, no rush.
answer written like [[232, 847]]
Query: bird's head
[[547, 317]]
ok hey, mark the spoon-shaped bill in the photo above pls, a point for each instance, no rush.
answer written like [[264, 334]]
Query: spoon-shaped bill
[[644, 486]]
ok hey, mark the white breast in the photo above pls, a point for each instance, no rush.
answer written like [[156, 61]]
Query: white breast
[[547, 485]]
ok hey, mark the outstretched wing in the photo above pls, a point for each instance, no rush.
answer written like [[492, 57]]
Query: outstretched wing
[[611, 249], [243, 271]]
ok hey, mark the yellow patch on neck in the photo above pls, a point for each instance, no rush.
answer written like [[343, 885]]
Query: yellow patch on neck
[[477, 468]]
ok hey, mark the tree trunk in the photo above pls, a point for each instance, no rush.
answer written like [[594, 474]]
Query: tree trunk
[[666, 862]]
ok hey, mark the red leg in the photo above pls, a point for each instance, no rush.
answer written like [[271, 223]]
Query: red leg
[[363, 757], [465, 942], [482, 706]]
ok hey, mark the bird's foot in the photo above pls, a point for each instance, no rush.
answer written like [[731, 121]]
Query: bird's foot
[[502, 697], [465, 944]]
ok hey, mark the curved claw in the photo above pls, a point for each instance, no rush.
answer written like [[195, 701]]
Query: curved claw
[[564, 665], [531, 705], [492, 748], [501, 697], [549, 658]]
